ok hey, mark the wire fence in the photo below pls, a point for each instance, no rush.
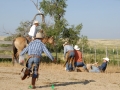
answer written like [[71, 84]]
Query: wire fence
[[91, 55], [96, 55]]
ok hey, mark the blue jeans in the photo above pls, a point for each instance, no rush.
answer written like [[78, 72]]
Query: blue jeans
[[80, 64], [95, 69], [70, 67], [36, 62], [72, 55]]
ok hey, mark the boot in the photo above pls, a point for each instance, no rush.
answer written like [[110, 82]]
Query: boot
[[24, 73], [86, 70], [33, 83]]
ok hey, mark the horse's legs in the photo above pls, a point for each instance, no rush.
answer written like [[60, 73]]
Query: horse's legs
[[67, 59], [73, 63], [14, 52], [69, 63], [13, 59]]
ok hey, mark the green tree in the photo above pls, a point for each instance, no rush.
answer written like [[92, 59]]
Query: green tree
[[60, 28], [23, 28], [54, 9]]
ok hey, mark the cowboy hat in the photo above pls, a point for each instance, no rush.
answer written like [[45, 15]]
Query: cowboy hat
[[76, 47], [39, 35], [107, 59], [65, 43], [35, 22]]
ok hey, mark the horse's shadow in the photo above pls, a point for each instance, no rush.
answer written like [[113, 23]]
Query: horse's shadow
[[84, 82]]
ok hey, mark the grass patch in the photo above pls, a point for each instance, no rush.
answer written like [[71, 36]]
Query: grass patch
[[5, 60]]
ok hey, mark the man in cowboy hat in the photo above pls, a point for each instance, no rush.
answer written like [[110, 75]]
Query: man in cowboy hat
[[33, 31], [101, 68], [78, 59], [68, 54], [34, 50]]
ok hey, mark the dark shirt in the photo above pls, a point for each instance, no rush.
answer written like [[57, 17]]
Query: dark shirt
[[103, 66]]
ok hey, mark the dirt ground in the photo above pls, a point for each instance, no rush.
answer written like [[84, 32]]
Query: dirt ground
[[61, 80]]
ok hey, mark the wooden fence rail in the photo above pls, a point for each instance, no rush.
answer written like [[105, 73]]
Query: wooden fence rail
[[6, 42], [4, 50]]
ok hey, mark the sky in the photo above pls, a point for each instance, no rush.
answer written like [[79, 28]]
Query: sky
[[100, 18]]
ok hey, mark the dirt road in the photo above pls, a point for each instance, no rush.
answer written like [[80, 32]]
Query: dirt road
[[57, 76]]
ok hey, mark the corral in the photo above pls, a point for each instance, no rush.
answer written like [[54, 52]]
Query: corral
[[55, 75]]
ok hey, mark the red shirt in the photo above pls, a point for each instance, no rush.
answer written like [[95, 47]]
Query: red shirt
[[78, 56]]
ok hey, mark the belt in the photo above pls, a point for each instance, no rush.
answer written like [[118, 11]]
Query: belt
[[32, 56], [70, 51]]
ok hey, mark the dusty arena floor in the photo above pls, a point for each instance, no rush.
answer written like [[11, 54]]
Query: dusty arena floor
[[56, 75]]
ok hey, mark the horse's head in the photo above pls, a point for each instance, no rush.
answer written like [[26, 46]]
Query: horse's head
[[49, 40]]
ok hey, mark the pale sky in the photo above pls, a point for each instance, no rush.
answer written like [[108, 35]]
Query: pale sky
[[100, 18]]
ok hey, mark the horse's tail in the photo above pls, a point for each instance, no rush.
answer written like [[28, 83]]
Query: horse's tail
[[14, 50]]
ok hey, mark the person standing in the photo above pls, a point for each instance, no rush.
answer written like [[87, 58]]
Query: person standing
[[78, 58], [33, 31], [69, 54], [34, 50]]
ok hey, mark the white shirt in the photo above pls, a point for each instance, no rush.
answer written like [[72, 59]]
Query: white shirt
[[32, 31]]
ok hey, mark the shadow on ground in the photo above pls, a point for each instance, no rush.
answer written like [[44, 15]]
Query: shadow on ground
[[84, 82]]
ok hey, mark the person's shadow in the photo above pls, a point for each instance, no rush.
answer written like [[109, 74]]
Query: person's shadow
[[84, 82]]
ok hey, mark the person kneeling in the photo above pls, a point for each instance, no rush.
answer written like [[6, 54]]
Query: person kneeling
[[78, 59]]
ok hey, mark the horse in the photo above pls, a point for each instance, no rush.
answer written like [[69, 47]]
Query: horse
[[20, 43]]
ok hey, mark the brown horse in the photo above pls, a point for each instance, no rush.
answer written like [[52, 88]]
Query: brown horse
[[21, 42]]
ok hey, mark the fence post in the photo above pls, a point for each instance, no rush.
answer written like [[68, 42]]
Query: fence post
[[95, 53], [82, 53], [106, 52], [56, 48], [7, 48], [117, 55]]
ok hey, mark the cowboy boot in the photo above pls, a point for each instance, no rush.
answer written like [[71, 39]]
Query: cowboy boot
[[24, 73], [33, 83]]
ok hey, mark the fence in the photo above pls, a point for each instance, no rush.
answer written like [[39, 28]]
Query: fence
[[90, 56], [97, 55], [5, 49]]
